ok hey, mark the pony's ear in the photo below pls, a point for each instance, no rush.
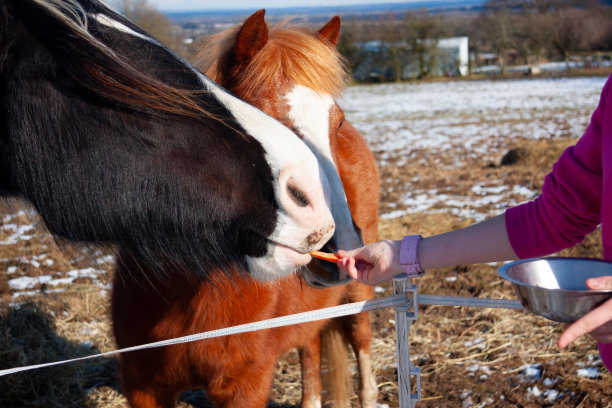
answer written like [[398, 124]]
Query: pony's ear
[[331, 30], [253, 35]]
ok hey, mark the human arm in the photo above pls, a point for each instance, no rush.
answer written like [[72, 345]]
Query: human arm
[[486, 241]]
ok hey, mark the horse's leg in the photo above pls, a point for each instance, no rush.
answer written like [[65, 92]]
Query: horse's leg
[[150, 397], [358, 330], [247, 386], [145, 395], [310, 359]]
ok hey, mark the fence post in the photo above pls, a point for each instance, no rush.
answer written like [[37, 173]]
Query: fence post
[[404, 315]]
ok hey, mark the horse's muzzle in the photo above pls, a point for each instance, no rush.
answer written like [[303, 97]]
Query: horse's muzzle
[[323, 274]]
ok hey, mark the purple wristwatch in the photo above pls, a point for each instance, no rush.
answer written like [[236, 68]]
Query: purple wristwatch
[[409, 256]]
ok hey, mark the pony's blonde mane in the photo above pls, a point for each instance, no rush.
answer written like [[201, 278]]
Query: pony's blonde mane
[[293, 53]]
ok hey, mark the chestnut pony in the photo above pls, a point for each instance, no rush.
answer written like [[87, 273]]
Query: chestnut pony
[[292, 73], [237, 371]]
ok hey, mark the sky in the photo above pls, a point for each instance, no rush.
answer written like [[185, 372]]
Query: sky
[[194, 5]]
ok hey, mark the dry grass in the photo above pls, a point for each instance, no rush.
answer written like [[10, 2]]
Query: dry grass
[[448, 342]]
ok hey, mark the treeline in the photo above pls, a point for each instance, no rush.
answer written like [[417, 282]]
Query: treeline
[[515, 31]]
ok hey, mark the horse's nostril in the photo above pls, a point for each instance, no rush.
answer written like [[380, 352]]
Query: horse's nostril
[[297, 196]]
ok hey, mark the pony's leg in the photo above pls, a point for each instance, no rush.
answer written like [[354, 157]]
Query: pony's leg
[[358, 330], [139, 386], [247, 386], [148, 396], [310, 358]]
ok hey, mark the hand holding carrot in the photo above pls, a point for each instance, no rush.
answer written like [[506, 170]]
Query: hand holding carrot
[[372, 264]]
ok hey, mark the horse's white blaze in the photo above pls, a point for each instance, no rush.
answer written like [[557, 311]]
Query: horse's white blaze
[[309, 112], [291, 161]]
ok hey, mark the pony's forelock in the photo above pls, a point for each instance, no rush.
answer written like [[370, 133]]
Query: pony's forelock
[[294, 52]]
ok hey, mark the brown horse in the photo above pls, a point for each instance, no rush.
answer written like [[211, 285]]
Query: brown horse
[[237, 371]]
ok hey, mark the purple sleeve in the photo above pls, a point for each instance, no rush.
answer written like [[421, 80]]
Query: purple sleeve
[[569, 207]]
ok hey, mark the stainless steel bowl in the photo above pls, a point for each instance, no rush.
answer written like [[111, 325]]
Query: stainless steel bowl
[[555, 288]]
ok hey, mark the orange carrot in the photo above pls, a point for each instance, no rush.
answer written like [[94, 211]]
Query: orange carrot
[[324, 256]]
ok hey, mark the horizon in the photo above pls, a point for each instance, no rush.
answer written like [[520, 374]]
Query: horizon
[[194, 6]]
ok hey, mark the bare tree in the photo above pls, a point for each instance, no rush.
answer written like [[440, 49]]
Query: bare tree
[[529, 36], [394, 36], [154, 22], [516, 31], [425, 32], [566, 29], [495, 31], [347, 43]]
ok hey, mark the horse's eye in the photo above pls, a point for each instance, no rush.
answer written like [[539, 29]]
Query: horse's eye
[[340, 125], [298, 197]]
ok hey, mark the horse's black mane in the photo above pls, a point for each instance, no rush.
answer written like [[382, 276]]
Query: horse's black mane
[[99, 71], [127, 165]]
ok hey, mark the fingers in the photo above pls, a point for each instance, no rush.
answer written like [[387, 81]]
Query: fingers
[[602, 282], [344, 254], [371, 264], [347, 265], [359, 253], [359, 270], [592, 322]]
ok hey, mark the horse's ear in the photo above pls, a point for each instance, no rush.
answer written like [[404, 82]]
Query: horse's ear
[[331, 30], [252, 37]]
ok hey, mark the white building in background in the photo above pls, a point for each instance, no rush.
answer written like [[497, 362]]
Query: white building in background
[[445, 57], [456, 53]]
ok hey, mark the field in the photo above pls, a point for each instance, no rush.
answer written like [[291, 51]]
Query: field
[[449, 154]]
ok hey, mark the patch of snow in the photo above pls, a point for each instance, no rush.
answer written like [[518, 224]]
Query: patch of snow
[[590, 372], [18, 233], [532, 371], [474, 342], [535, 391], [105, 259], [88, 331], [480, 190], [37, 292], [27, 282], [552, 395], [10, 217], [482, 117], [86, 344]]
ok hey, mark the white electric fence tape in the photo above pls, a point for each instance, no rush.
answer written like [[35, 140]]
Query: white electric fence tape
[[310, 316]]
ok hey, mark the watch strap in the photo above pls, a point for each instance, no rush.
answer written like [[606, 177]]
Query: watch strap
[[409, 256]]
